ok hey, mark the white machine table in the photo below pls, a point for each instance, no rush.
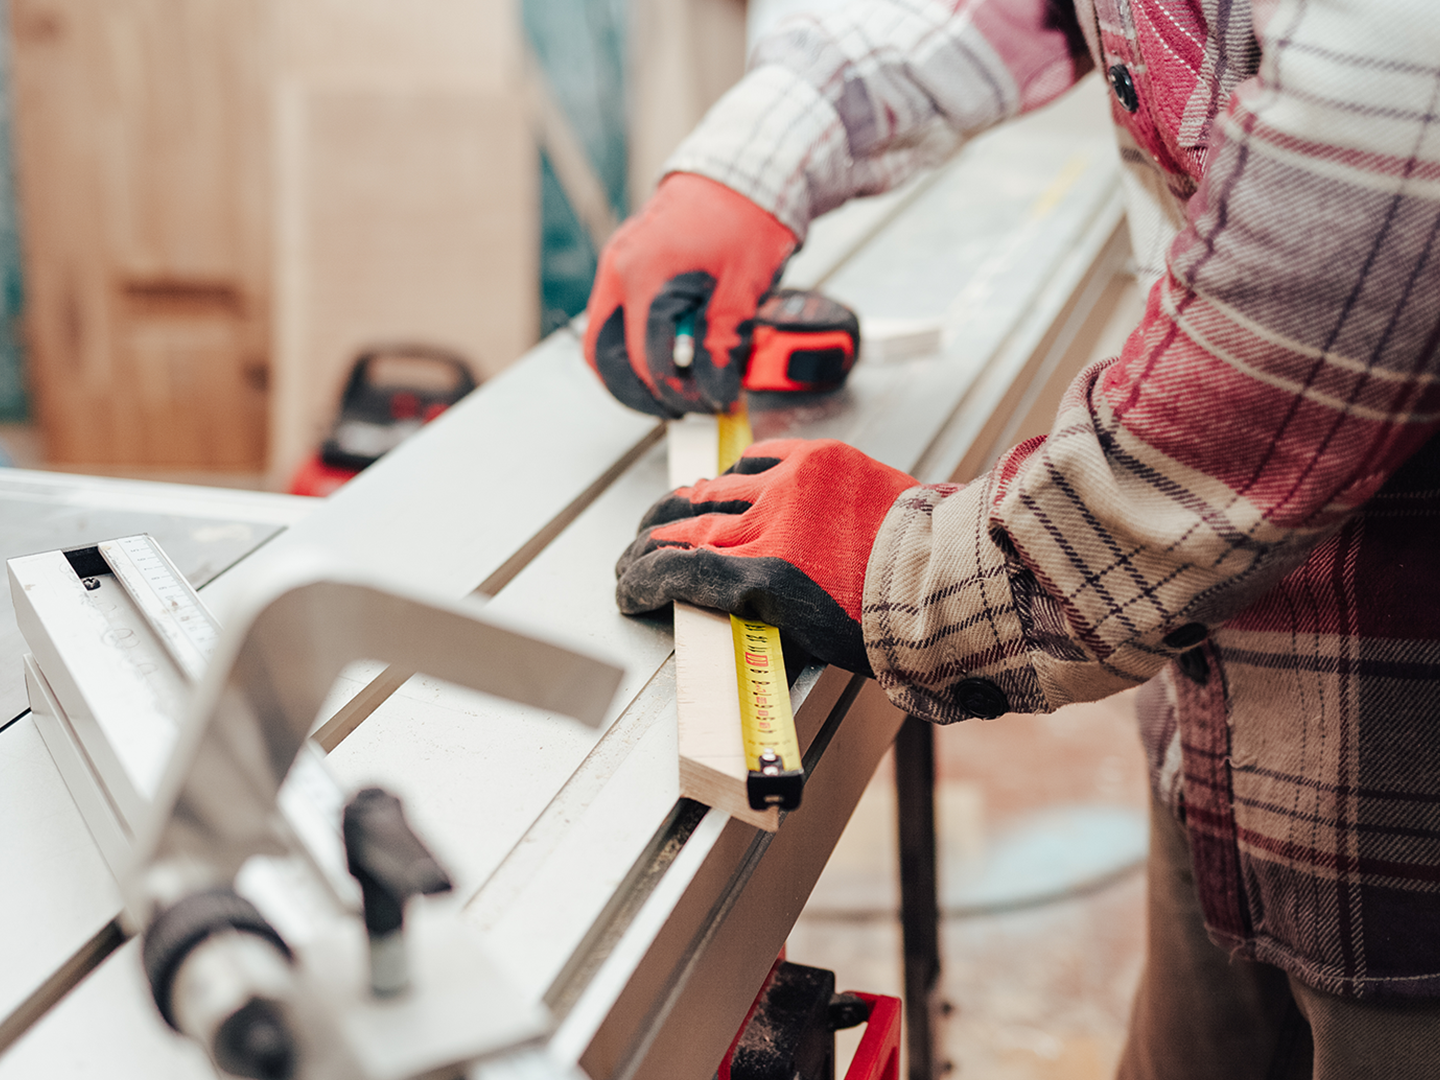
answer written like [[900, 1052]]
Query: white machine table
[[644, 922]]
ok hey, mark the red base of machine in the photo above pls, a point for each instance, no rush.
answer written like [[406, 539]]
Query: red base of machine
[[789, 1032], [878, 1055]]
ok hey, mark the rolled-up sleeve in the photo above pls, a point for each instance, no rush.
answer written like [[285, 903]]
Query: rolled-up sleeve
[[854, 101]]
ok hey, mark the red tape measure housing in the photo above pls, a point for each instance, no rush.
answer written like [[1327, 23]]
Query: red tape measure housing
[[802, 341], [786, 360]]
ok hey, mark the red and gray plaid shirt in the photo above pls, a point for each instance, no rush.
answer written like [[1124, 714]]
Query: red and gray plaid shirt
[[1243, 507]]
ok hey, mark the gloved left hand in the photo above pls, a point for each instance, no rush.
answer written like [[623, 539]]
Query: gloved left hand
[[783, 536]]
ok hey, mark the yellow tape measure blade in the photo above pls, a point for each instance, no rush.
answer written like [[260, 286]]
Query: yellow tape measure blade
[[775, 774], [734, 436]]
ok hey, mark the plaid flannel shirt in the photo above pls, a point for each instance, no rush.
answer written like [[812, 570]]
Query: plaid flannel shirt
[[1243, 508]]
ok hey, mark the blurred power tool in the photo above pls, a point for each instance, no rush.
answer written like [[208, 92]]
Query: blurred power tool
[[790, 1031], [391, 393], [803, 341]]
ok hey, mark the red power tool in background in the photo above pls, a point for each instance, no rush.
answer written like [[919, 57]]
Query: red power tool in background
[[392, 392]]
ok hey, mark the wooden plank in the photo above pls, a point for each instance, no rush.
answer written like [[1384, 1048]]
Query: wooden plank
[[707, 701], [406, 215], [684, 55], [151, 137], [406, 196]]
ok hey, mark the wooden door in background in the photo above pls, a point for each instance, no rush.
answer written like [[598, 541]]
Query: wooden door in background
[[142, 158]]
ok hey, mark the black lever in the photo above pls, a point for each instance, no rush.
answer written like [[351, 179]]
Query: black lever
[[392, 865]]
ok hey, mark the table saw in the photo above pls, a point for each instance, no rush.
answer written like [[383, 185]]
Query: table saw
[[644, 923]]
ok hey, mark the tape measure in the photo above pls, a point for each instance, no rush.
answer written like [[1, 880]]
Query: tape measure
[[801, 341], [734, 433], [775, 776]]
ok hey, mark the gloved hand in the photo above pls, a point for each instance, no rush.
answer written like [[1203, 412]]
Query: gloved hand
[[783, 536], [698, 248]]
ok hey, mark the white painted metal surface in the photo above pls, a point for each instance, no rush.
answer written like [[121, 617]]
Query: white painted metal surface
[[204, 529], [116, 685], [215, 810], [59, 893], [639, 922]]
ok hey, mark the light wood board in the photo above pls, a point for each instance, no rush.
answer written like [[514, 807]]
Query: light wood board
[[707, 697], [707, 701], [225, 201]]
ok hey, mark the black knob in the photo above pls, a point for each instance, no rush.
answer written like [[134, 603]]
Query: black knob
[[175, 932], [255, 1041], [388, 859]]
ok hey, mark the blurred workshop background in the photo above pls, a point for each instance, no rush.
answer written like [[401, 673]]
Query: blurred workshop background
[[210, 208], [225, 201]]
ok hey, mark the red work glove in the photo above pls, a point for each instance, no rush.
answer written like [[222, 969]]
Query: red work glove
[[696, 248], [783, 536]]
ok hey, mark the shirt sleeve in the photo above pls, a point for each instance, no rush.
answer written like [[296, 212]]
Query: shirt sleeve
[[1284, 368], [854, 101]]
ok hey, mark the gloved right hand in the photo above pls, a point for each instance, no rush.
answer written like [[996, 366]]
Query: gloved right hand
[[696, 248]]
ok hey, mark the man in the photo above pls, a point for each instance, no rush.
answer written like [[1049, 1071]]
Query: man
[[1241, 511]]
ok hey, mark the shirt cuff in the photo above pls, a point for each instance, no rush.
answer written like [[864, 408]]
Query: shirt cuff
[[942, 630], [956, 626]]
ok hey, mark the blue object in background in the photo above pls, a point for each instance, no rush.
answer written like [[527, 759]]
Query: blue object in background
[[567, 254], [580, 47], [12, 368]]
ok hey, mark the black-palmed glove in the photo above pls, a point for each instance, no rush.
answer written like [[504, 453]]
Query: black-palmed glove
[[784, 536], [697, 250]]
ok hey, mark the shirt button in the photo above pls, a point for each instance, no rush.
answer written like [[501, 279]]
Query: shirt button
[[1124, 88], [981, 698], [1187, 636]]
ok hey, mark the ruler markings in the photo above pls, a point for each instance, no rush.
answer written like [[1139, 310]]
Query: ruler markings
[[772, 750], [776, 773], [166, 600]]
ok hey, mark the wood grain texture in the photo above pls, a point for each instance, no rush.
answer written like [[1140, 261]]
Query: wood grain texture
[[684, 55], [707, 701], [405, 215], [406, 195], [141, 147], [707, 698], [225, 200]]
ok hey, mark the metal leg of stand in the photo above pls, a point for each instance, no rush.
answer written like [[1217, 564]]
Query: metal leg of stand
[[919, 898]]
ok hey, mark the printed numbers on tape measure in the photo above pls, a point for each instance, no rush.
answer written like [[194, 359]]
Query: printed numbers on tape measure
[[764, 696]]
